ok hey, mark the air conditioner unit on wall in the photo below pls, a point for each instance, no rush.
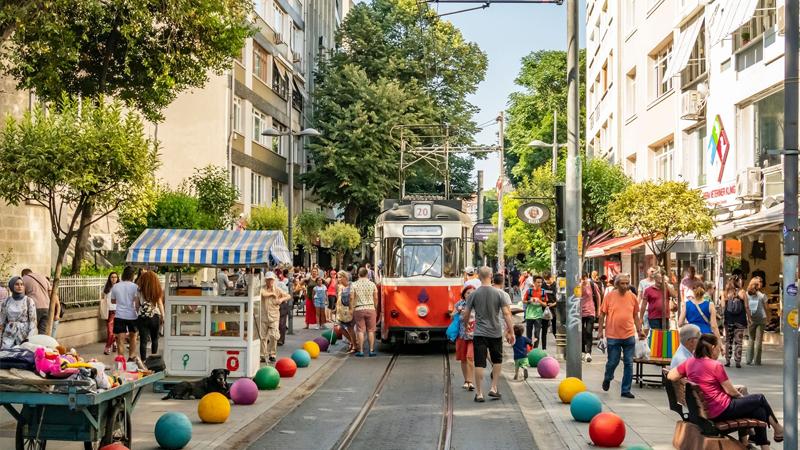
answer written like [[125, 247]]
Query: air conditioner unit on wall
[[693, 105], [98, 242], [748, 184]]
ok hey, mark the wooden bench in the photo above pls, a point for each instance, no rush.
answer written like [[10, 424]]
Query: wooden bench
[[684, 393], [645, 378]]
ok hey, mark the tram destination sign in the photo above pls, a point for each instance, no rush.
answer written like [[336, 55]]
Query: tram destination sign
[[533, 213], [481, 231]]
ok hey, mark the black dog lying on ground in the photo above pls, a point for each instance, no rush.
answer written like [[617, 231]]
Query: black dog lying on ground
[[216, 382]]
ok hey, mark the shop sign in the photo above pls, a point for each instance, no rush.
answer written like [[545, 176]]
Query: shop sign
[[533, 213], [481, 231], [718, 145], [715, 195]]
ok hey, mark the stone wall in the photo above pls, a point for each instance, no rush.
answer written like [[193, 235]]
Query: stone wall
[[80, 327]]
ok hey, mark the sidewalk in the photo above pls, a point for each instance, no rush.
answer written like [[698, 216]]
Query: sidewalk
[[245, 421], [648, 417]]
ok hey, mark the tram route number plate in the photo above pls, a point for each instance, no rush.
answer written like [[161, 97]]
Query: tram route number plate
[[422, 210]]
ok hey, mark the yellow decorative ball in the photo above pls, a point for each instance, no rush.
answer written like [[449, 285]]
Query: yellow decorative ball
[[570, 387], [214, 408], [312, 348]]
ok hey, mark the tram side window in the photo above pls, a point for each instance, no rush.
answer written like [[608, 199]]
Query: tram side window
[[452, 257], [422, 260], [392, 256]]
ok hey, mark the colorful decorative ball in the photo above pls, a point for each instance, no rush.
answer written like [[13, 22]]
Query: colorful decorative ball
[[267, 378], [323, 343], [331, 336], [114, 446], [584, 406], [548, 367], [338, 330], [312, 348], [286, 367], [301, 358], [569, 387], [173, 430], [535, 356], [214, 408], [607, 430], [244, 391]]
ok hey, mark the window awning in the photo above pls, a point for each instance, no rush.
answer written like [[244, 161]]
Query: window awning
[[683, 50], [613, 245], [220, 248], [281, 70], [767, 218], [726, 16]]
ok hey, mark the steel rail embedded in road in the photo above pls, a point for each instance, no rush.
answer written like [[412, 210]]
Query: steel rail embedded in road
[[447, 417], [358, 422]]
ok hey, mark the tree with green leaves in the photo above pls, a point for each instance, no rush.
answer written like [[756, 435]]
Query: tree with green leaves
[[340, 238], [397, 64], [142, 52], [73, 156], [274, 217], [308, 226], [216, 196], [169, 209], [661, 212], [543, 78]]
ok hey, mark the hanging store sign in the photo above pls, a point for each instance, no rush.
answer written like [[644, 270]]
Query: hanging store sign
[[533, 213], [481, 231], [718, 145]]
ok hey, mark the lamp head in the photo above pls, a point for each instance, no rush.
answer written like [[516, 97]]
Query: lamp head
[[271, 132], [310, 132]]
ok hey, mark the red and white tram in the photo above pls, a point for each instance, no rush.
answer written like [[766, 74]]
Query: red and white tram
[[422, 248]]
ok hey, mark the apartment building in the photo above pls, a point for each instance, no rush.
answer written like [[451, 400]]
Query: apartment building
[[698, 99]]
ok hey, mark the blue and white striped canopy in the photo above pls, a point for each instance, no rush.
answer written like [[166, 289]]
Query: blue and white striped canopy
[[220, 248]]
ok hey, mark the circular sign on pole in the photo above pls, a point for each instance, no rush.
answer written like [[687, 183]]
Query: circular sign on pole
[[533, 213], [791, 318]]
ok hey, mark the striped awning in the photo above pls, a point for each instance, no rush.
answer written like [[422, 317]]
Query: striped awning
[[210, 248], [682, 50], [726, 16]]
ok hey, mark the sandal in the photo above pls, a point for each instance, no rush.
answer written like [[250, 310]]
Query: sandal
[[494, 394], [479, 399], [778, 437], [465, 386], [471, 387]]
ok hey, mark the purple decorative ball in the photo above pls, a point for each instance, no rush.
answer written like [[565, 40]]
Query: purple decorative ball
[[548, 367], [323, 343], [244, 391]]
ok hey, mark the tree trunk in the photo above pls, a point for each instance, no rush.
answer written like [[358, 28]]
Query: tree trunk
[[351, 214], [82, 243], [62, 252], [662, 261]]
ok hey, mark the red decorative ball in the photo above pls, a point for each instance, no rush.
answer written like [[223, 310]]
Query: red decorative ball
[[338, 330], [114, 446], [607, 430], [286, 367]]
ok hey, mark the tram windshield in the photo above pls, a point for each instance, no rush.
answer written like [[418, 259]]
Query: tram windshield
[[422, 259], [430, 257]]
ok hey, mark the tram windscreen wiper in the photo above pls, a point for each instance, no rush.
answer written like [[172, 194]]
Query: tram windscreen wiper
[[425, 272]]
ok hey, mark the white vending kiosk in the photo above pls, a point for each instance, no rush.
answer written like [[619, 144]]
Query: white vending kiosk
[[206, 332]]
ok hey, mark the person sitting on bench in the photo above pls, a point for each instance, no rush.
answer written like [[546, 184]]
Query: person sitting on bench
[[688, 335], [723, 401]]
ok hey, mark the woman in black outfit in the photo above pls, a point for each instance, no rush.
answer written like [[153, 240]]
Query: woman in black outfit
[[151, 311]]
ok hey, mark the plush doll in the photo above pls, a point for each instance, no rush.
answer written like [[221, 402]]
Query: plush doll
[[52, 364]]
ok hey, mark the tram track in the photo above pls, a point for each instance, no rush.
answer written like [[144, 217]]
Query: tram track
[[444, 439]]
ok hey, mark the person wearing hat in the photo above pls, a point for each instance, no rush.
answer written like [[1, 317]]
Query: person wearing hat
[[472, 277], [272, 297], [17, 316]]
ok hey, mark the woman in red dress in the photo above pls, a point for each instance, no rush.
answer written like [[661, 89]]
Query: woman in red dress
[[311, 312]]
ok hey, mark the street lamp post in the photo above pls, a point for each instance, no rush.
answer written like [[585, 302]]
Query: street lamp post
[[310, 132]]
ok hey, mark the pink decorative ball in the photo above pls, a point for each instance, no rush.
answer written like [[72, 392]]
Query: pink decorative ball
[[244, 391], [548, 367], [323, 343]]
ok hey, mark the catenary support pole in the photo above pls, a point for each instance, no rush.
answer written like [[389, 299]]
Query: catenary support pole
[[501, 264], [554, 164], [290, 229], [572, 210], [479, 216], [790, 235]]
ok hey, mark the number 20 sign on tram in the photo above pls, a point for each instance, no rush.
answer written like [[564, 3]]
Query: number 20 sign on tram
[[422, 248]]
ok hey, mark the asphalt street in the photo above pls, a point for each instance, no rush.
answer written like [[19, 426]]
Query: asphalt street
[[407, 413]]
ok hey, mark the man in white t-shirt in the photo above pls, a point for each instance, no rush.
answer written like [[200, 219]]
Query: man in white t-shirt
[[472, 277], [125, 295]]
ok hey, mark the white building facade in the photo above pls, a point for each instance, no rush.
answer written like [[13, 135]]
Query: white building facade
[[699, 99]]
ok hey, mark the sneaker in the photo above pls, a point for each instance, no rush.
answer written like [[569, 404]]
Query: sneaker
[[272, 359], [628, 395], [606, 384], [738, 365], [496, 395], [524, 374], [371, 354], [588, 358], [360, 354], [727, 363]]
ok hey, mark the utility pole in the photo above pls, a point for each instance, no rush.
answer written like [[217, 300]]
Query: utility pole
[[501, 264], [554, 163], [480, 212], [791, 249], [290, 163], [573, 195]]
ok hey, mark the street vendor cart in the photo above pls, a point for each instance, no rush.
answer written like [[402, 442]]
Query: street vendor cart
[[72, 413], [204, 331]]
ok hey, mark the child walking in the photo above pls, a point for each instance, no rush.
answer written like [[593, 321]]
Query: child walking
[[320, 302], [521, 352]]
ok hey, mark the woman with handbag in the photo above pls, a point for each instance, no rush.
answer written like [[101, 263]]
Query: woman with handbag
[[107, 312], [699, 310], [344, 309]]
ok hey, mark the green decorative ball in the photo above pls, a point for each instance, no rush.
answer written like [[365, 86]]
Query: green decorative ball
[[267, 378], [535, 356], [330, 335]]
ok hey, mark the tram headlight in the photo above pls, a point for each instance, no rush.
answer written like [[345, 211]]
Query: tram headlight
[[395, 314], [422, 310]]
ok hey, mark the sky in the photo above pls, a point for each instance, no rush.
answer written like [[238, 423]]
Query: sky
[[507, 32]]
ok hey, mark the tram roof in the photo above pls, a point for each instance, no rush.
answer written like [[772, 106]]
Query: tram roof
[[442, 210]]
